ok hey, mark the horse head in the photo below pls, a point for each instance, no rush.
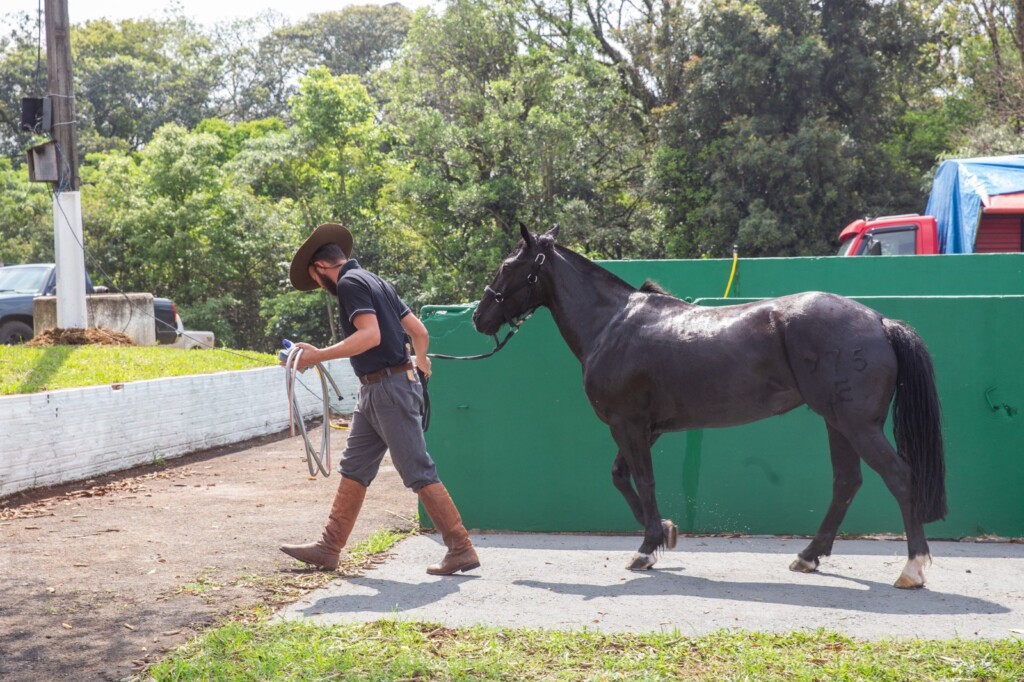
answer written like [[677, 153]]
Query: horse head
[[518, 288]]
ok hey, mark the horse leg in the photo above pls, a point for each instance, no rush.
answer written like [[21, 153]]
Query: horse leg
[[846, 481], [622, 480], [881, 456], [635, 450]]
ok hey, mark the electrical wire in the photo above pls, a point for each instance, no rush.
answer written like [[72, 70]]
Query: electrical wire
[[39, 42], [316, 460]]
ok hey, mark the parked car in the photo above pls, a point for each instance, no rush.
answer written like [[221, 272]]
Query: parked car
[[192, 340], [21, 284]]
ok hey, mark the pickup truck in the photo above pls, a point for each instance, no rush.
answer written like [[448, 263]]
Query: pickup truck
[[20, 284], [975, 206]]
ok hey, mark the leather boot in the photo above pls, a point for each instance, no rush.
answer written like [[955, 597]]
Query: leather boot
[[324, 552], [461, 556]]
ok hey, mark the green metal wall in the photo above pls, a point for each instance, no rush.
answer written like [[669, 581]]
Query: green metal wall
[[519, 447]]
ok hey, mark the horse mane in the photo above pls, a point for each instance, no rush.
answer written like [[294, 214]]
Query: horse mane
[[651, 287], [583, 263]]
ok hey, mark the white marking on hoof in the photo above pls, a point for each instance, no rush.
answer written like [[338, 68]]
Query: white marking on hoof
[[671, 533], [801, 565], [641, 562], [912, 576]]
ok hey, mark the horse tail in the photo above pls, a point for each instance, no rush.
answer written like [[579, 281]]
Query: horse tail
[[917, 421]]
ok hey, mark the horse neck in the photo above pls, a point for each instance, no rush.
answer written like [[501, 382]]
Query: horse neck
[[583, 299]]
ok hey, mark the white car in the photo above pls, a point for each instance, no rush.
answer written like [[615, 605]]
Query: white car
[[188, 340]]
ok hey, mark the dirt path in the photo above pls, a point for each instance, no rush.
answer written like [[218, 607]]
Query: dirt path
[[101, 578]]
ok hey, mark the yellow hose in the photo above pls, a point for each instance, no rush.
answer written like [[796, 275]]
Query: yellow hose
[[735, 259]]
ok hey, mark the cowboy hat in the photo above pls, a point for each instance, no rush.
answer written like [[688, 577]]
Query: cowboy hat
[[328, 233]]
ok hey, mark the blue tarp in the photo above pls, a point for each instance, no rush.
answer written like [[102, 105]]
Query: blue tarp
[[960, 187]]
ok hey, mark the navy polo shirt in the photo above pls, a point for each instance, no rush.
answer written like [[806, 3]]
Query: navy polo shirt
[[360, 291]]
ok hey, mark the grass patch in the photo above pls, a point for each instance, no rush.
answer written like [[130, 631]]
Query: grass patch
[[201, 586], [391, 650], [30, 370], [285, 588]]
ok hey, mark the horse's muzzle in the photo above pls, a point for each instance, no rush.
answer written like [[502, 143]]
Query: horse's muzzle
[[486, 326]]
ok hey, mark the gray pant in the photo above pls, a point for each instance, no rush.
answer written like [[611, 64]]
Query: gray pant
[[387, 417]]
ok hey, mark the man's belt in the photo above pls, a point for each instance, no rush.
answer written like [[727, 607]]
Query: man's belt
[[375, 377]]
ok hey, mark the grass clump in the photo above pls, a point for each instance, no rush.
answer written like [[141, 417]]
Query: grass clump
[[394, 650], [26, 369], [285, 588]]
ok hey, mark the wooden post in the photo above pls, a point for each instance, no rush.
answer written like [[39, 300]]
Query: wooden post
[[62, 90], [69, 245]]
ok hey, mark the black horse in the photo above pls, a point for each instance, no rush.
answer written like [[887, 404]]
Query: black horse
[[653, 364]]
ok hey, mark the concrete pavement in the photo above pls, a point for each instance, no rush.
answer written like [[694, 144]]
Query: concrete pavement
[[974, 589]]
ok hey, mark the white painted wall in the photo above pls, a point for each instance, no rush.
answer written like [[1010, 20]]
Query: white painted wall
[[70, 435]]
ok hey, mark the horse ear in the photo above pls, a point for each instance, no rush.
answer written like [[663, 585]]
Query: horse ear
[[527, 237], [553, 232]]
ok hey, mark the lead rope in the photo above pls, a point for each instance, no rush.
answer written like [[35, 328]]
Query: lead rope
[[498, 345], [513, 327], [316, 460]]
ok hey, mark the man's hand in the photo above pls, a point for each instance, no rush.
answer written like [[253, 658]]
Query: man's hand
[[310, 356], [423, 364]]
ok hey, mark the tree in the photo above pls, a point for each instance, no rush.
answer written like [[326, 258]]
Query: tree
[[993, 51], [22, 74], [173, 220], [785, 123], [26, 217], [258, 68], [984, 40], [331, 165], [134, 76], [501, 125], [356, 40], [329, 162]]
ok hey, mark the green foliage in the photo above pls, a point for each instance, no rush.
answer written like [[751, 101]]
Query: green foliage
[[332, 165], [985, 43], [134, 76], [26, 218], [234, 137], [500, 128], [257, 69], [299, 315], [173, 221], [786, 122], [355, 40], [22, 74]]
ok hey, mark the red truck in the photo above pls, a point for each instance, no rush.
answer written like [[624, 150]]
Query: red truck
[[975, 206]]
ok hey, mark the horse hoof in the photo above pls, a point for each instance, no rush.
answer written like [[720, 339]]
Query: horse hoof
[[671, 533], [907, 583], [641, 562], [801, 565], [912, 577]]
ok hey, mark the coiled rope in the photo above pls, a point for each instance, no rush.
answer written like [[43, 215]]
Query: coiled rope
[[316, 460]]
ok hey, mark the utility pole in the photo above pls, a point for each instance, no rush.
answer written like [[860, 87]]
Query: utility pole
[[69, 246], [62, 89]]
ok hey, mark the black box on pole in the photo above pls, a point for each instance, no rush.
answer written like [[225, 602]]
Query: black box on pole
[[36, 114]]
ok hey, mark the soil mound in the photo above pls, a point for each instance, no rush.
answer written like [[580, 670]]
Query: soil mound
[[80, 337]]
